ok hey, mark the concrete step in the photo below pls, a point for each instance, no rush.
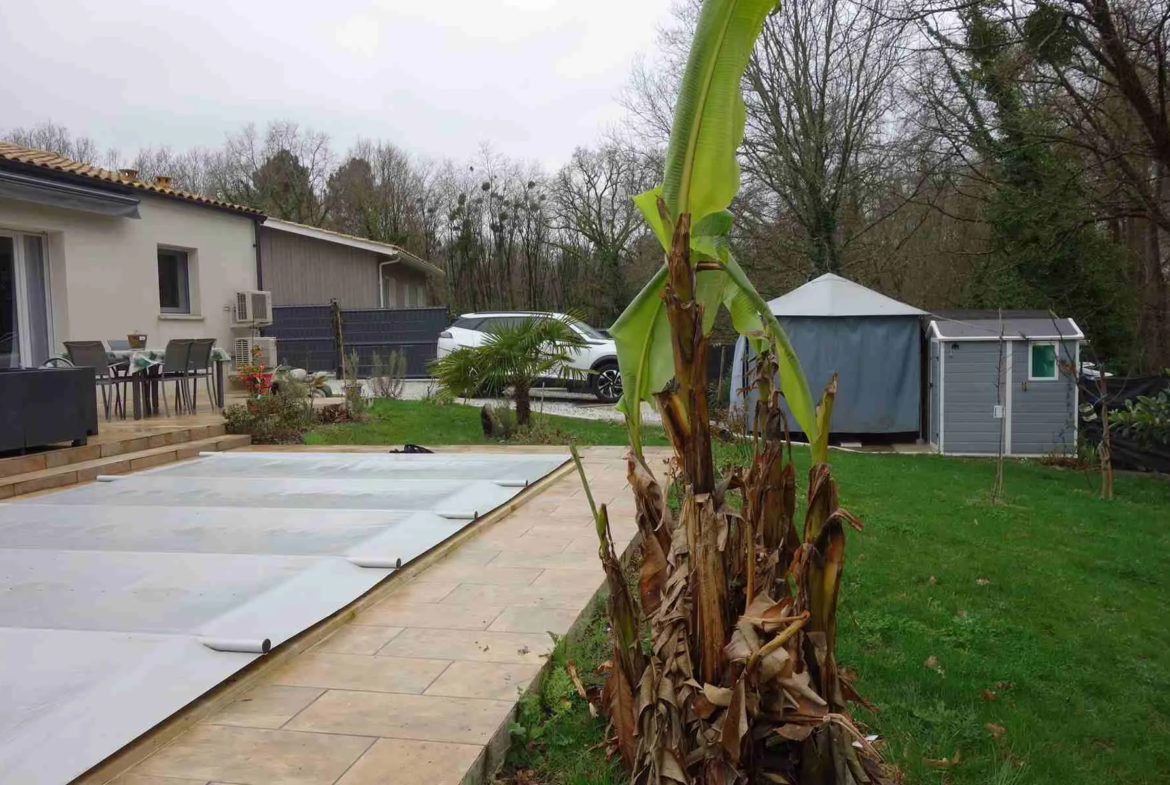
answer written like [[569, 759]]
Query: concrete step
[[107, 447], [121, 463]]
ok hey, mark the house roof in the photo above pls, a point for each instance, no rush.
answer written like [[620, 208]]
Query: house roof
[[29, 158], [831, 295], [385, 249], [1029, 328]]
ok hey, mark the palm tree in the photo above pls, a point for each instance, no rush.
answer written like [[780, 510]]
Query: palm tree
[[518, 356]]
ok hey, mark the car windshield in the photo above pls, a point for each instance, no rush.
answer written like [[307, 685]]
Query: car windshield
[[589, 332]]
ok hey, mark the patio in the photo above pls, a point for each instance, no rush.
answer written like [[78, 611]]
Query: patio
[[421, 676]]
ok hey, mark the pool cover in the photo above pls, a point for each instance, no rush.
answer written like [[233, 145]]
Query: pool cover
[[123, 601]]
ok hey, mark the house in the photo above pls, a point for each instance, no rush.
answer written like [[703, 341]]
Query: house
[[304, 265], [1010, 378], [92, 254], [872, 341]]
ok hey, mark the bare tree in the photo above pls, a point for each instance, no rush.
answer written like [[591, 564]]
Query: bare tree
[[57, 139], [285, 172], [593, 200]]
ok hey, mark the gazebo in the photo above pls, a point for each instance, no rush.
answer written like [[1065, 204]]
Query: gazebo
[[872, 341]]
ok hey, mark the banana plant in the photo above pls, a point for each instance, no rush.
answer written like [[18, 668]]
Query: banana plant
[[739, 682], [701, 178]]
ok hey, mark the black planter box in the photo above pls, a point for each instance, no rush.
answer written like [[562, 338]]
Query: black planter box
[[42, 406]]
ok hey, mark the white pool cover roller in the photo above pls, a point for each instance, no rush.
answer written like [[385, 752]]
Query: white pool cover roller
[[122, 602]]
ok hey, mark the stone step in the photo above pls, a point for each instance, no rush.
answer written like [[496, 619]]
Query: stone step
[[133, 442], [86, 471]]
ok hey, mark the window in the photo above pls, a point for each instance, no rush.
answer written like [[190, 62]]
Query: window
[[25, 310], [589, 332], [1042, 361], [174, 283]]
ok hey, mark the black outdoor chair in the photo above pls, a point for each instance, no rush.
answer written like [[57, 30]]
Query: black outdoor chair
[[174, 368], [199, 365], [122, 366], [92, 354]]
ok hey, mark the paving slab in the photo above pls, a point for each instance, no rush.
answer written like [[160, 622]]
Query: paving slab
[[419, 685]]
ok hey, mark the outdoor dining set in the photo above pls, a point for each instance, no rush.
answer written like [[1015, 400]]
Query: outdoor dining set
[[122, 364]]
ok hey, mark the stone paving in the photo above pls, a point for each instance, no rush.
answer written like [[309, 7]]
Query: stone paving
[[419, 687]]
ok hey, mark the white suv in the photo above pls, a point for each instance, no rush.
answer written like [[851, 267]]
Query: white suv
[[599, 356]]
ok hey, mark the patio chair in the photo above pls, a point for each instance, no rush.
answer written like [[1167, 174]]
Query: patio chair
[[92, 354], [119, 345], [174, 368], [199, 365]]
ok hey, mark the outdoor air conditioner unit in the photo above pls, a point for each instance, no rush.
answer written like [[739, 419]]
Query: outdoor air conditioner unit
[[245, 346], [252, 309]]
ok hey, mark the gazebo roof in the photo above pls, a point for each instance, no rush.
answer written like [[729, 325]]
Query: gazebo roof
[[831, 295]]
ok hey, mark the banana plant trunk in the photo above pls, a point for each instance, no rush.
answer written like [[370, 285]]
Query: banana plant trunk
[[687, 422]]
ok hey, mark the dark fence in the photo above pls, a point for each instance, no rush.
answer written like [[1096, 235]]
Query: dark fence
[[1125, 452], [305, 336]]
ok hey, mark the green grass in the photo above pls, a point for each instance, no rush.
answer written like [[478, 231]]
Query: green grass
[[1072, 622], [555, 740], [427, 423], [1073, 617]]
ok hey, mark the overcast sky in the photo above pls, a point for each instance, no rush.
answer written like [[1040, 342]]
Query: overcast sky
[[536, 78]]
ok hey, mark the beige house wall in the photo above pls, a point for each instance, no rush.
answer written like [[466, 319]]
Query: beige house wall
[[104, 271]]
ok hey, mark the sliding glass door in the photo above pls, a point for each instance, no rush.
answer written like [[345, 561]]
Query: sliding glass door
[[25, 315]]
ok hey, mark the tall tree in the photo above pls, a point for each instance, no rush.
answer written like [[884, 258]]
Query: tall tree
[[593, 200]]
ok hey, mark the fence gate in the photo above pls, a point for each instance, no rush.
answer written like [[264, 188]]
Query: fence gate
[[305, 337]]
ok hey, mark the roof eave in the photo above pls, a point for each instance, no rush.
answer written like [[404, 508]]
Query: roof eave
[[49, 173]]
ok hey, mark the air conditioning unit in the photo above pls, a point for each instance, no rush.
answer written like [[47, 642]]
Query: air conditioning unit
[[252, 309], [245, 348]]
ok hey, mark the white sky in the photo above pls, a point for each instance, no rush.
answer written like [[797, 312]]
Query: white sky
[[535, 78]]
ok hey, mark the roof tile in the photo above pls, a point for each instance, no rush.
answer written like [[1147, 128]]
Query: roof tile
[[45, 160]]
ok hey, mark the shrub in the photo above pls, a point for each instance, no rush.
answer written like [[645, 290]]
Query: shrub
[[332, 414], [355, 403], [388, 376], [1146, 420], [277, 418]]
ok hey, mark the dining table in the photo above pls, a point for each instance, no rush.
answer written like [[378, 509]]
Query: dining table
[[144, 368]]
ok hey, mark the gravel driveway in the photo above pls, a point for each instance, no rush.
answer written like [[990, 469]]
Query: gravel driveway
[[550, 400]]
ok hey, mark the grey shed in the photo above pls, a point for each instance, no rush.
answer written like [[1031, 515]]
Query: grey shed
[[872, 341], [1034, 405]]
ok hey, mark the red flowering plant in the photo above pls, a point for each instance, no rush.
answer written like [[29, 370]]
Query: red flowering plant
[[256, 377]]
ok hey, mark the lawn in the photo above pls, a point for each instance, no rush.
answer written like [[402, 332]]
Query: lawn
[[1044, 619], [427, 423]]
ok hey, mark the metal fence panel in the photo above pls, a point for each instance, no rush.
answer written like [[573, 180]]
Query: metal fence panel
[[304, 336]]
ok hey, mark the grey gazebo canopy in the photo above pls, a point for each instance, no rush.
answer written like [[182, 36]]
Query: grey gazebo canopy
[[872, 341]]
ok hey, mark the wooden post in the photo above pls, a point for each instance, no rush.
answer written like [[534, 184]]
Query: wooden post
[[338, 337]]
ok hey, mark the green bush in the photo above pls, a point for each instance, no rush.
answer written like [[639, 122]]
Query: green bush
[[1146, 420], [277, 418]]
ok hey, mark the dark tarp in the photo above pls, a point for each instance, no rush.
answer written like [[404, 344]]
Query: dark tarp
[[878, 359], [1126, 453]]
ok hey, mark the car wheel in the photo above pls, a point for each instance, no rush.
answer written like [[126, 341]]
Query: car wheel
[[607, 383]]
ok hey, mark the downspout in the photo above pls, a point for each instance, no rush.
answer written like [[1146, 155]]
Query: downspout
[[382, 280], [259, 259]]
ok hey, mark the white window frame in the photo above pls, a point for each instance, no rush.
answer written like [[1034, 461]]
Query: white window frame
[[1032, 377], [23, 326], [192, 299]]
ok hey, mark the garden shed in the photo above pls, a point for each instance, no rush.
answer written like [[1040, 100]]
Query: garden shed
[[1014, 377], [873, 341]]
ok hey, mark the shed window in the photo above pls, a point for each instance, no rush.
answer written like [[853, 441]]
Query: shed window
[[1042, 361]]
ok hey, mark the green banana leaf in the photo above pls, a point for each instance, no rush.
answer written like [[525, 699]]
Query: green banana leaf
[[701, 178], [702, 173]]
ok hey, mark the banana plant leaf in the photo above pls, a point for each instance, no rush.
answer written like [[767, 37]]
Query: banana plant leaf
[[701, 178]]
